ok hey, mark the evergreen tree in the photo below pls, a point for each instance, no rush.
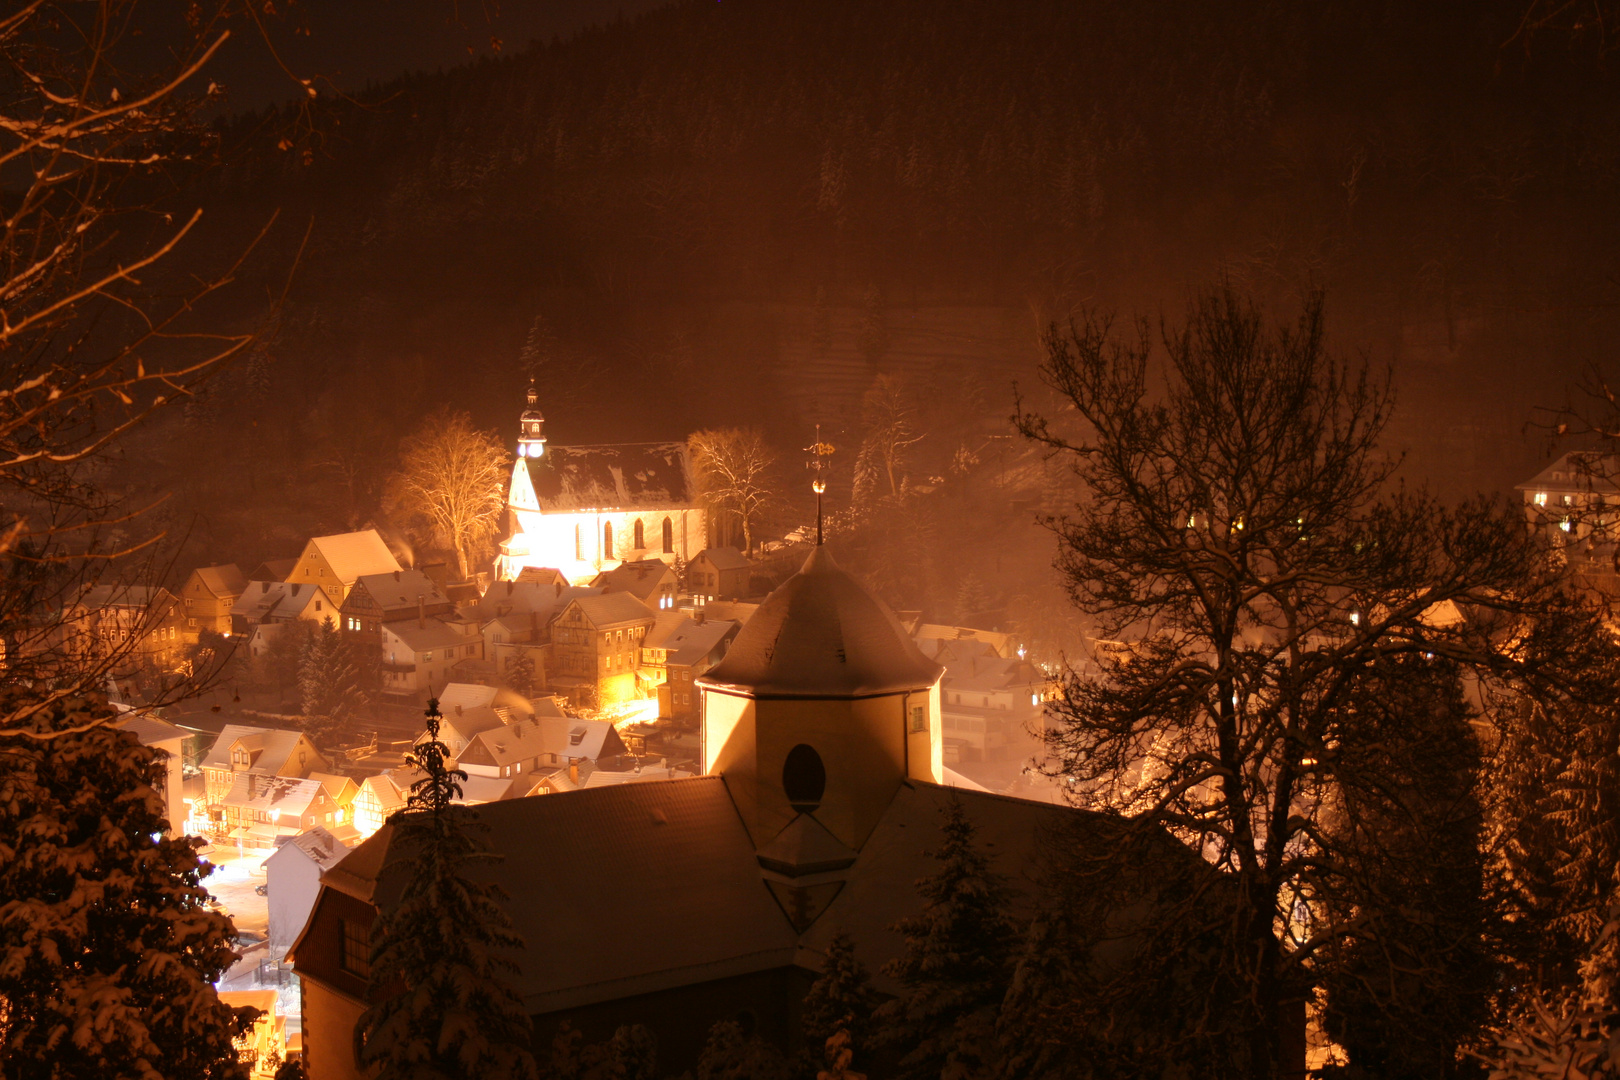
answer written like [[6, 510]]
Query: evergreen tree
[[1028, 1044], [329, 683], [956, 965], [108, 952], [840, 1000], [730, 1054], [445, 1009], [520, 671], [1409, 985]]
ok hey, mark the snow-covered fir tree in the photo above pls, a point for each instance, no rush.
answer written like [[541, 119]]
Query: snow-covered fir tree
[[441, 955], [730, 1054], [956, 965], [1029, 1044], [840, 1000], [108, 951], [329, 684]]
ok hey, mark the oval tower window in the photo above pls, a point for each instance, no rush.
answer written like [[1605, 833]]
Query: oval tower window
[[804, 778]]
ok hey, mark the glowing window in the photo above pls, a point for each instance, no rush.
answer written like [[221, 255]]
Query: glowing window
[[669, 537], [607, 540], [640, 537]]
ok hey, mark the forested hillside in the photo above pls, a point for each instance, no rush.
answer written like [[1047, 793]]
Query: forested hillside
[[743, 212]]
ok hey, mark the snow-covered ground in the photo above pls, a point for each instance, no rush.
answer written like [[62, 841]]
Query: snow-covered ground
[[233, 883]]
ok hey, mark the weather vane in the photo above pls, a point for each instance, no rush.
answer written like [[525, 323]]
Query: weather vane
[[822, 451]]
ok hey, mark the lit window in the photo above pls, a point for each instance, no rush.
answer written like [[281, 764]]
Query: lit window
[[1564, 525], [1541, 498]]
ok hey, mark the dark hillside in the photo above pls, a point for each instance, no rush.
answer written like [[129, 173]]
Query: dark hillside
[[741, 212]]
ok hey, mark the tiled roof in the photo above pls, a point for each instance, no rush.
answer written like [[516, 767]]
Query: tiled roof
[[640, 579], [431, 633], [268, 748], [400, 590], [287, 794]]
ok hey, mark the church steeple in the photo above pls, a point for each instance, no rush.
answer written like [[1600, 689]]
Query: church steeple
[[532, 427]]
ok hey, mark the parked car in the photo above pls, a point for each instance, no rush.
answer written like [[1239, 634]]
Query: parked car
[[247, 939], [262, 889]]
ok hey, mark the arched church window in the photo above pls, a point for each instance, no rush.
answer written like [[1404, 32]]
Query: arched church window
[[579, 547], [669, 537], [607, 540], [804, 778], [641, 541]]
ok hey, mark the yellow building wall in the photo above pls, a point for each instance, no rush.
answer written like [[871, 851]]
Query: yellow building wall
[[863, 743], [329, 1020]]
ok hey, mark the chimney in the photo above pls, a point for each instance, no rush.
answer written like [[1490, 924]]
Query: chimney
[[510, 586], [698, 616], [573, 770], [396, 575], [458, 710], [557, 585], [421, 612]]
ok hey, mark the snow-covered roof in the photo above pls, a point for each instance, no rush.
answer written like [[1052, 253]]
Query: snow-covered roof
[[268, 748], [522, 741], [282, 600], [465, 695], [150, 730], [613, 609], [224, 580], [318, 845], [586, 740], [423, 635], [400, 591], [641, 578], [97, 597], [691, 641], [724, 558], [518, 599], [678, 843], [622, 476], [289, 795], [1577, 472], [822, 634], [355, 553]]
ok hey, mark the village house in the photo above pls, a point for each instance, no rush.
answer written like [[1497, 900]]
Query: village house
[[273, 570], [138, 623], [400, 594], [259, 809], [207, 597], [542, 575], [292, 880], [156, 732], [678, 650], [266, 752], [585, 509], [596, 648], [262, 1047], [989, 704], [337, 561], [719, 573], [268, 602], [651, 581], [379, 796], [419, 655]]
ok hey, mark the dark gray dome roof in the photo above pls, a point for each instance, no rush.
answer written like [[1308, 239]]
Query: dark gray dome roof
[[822, 635]]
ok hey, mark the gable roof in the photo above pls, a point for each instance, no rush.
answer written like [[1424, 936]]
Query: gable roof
[[691, 641], [268, 748], [822, 634], [274, 794], [724, 558], [280, 599], [612, 609], [355, 553], [519, 598], [641, 578], [399, 590], [621, 476], [678, 840], [273, 570], [431, 633], [316, 844], [511, 743], [149, 729], [224, 580]]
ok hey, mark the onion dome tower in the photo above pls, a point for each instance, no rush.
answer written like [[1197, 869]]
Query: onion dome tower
[[532, 427], [822, 707]]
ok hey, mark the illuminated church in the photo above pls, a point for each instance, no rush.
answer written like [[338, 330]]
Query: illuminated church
[[585, 509]]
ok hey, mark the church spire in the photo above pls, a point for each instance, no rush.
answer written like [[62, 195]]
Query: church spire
[[821, 451], [532, 427]]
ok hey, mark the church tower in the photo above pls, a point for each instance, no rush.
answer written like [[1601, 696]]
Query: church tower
[[821, 709], [532, 428]]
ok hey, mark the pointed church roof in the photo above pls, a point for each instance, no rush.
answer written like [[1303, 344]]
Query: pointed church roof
[[821, 634]]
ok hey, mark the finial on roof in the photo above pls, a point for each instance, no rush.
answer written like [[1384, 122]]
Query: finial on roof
[[821, 451]]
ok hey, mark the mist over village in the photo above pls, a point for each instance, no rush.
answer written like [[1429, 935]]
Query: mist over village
[[770, 540]]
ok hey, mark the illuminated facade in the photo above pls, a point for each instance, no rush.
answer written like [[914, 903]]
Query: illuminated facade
[[585, 509]]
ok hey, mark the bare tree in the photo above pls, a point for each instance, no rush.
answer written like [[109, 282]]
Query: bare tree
[[1231, 530], [890, 418], [90, 347], [452, 479], [736, 474]]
